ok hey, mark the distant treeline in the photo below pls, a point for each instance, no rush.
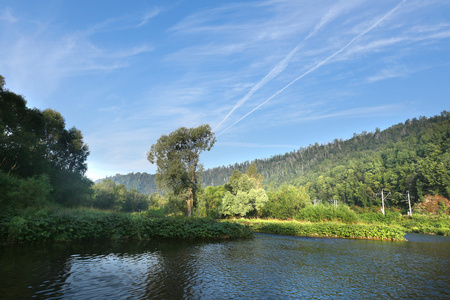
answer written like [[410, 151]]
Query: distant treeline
[[413, 156], [142, 182]]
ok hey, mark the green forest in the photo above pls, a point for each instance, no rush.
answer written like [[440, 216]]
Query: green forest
[[412, 156], [43, 165]]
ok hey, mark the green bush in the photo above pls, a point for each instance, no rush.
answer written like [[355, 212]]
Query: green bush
[[19, 193], [388, 218], [320, 212], [286, 202]]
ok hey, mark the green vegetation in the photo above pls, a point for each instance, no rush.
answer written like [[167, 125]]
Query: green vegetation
[[328, 229], [429, 224], [177, 157], [40, 160], [412, 156], [42, 164], [108, 195], [244, 195], [320, 213], [286, 202], [81, 224]]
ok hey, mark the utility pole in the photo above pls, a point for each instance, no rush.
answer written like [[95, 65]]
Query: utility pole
[[316, 201], [409, 203], [382, 201]]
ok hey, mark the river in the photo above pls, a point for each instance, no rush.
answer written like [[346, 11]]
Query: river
[[266, 267]]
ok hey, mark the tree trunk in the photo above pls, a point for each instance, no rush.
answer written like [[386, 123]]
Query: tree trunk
[[190, 203]]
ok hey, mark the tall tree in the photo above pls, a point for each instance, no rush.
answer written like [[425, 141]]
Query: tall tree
[[36, 143], [177, 158]]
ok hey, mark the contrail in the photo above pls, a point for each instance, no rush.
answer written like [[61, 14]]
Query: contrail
[[281, 65], [318, 65]]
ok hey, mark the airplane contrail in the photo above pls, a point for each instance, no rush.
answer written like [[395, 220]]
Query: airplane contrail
[[317, 65], [282, 64]]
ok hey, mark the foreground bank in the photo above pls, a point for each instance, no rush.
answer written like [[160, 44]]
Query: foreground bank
[[82, 224]]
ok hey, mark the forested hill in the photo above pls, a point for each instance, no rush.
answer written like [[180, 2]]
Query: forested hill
[[143, 182], [412, 156]]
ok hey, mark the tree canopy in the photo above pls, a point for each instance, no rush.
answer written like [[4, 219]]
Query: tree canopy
[[177, 157], [36, 144]]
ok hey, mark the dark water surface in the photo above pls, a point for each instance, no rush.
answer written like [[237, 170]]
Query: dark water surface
[[267, 267]]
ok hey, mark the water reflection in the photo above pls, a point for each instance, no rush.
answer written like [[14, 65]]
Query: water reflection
[[267, 267]]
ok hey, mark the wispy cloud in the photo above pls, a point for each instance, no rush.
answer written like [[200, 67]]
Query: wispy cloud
[[359, 112], [323, 62], [129, 73], [149, 15], [56, 57], [6, 15], [256, 145], [388, 73], [281, 66]]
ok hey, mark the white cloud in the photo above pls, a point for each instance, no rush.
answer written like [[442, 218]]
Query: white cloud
[[388, 73], [7, 16], [359, 112], [149, 15], [255, 145]]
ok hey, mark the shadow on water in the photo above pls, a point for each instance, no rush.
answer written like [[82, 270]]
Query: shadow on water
[[266, 267]]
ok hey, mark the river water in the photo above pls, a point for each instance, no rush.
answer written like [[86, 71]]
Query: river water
[[267, 267]]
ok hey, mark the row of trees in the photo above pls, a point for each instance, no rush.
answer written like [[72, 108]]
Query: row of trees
[[107, 195], [242, 196]]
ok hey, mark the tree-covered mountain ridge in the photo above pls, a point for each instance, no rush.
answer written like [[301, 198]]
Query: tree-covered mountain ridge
[[411, 156]]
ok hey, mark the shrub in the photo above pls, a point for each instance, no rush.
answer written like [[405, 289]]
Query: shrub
[[388, 218], [286, 202], [83, 224], [320, 212], [433, 205], [19, 193]]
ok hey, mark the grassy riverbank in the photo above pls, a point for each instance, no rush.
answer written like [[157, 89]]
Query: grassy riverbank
[[325, 229], [427, 224], [63, 225]]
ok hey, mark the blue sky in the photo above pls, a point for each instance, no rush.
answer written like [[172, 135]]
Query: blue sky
[[268, 76]]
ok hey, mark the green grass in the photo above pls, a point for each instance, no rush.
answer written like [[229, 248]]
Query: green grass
[[326, 229]]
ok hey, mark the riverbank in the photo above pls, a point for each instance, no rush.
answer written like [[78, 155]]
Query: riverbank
[[84, 224], [62, 225], [426, 224], [325, 229]]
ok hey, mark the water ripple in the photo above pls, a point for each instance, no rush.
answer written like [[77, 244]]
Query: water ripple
[[267, 267]]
